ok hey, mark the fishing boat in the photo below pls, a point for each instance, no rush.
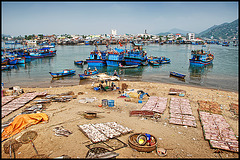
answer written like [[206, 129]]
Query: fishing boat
[[164, 60], [88, 74], [79, 62], [40, 53], [65, 72], [21, 60], [136, 56], [8, 67], [12, 61], [115, 57], [200, 57], [130, 66], [154, 62], [97, 57], [178, 75]]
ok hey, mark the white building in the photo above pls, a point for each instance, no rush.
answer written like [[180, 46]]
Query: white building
[[114, 32], [190, 36]]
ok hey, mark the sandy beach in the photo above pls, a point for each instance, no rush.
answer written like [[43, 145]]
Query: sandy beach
[[179, 141]]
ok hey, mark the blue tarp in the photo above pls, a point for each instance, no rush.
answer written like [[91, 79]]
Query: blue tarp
[[119, 50]]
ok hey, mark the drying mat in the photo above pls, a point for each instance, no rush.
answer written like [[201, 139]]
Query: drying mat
[[14, 144], [27, 136], [112, 144], [39, 156]]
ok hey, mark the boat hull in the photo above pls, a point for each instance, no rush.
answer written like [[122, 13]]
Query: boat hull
[[134, 61], [96, 62], [178, 75], [78, 62], [114, 63], [62, 74], [199, 62], [132, 66], [85, 76]]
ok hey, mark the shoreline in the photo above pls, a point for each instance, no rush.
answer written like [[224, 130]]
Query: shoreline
[[68, 83], [180, 141]]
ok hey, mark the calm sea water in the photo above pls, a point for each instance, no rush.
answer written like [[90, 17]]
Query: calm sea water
[[222, 74]]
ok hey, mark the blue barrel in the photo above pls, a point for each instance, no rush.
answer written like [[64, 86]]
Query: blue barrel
[[110, 103]]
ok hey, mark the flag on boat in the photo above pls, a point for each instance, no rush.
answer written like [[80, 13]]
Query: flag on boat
[[120, 44]]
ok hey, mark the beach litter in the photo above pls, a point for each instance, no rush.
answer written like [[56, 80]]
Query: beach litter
[[233, 108], [161, 152], [100, 153], [87, 100], [60, 131], [179, 92]]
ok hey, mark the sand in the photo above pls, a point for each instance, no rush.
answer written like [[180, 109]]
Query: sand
[[179, 141]]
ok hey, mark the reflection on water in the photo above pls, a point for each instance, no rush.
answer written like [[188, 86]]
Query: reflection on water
[[197, 74]]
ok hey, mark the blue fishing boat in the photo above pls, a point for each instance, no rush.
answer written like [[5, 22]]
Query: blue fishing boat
[[8, 67], [97, 57], [154, 61], [79, 62], [178, 75], [115, 57], [21, 60], [88, 73], [40, 53], [65, 72], [12, 61], [201, 58], [136, 56], [164, 60]]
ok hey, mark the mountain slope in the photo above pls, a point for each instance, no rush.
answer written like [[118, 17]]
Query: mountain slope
[[223, 31]]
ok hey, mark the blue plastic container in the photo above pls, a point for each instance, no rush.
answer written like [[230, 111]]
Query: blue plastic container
[[110, 103], [96, 88]]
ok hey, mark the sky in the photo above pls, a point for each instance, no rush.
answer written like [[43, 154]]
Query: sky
[[100, 17]]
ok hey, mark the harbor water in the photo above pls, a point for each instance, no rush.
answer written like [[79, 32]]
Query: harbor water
[[222, 74]]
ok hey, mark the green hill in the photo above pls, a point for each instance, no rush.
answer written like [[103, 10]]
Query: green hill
[[223, 31]]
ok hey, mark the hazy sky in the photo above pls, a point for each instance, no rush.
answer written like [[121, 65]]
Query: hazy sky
[[79, 17]]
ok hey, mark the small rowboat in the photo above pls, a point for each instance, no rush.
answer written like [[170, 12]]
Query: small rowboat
[[178, 75], [65, 72], [78, 62], [154, 63], [85, 76], [130, 66]]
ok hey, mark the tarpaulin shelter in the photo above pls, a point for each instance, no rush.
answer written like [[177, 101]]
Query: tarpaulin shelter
[[23, 121]]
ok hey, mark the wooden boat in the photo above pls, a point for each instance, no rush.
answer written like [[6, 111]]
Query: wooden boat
[[130, 66], [154, 63], [8, 67], [164, 60], [79, 62], [65, 72], [136, 56], [178, 75], [88, 74], [21, 60], [201, 58]]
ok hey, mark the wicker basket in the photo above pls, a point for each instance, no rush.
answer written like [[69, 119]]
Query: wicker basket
[[133, 143]]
